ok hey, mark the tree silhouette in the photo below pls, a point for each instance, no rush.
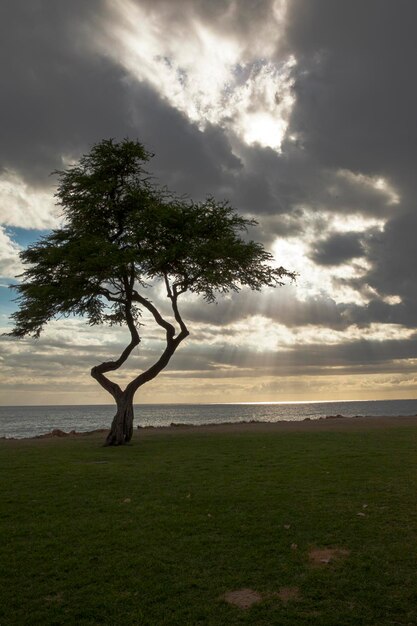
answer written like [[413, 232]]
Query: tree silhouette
[[122, 234]]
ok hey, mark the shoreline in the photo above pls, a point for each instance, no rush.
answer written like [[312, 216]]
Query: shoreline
[[329, 423]]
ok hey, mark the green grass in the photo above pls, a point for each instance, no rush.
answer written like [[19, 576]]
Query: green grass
[[156, 532]]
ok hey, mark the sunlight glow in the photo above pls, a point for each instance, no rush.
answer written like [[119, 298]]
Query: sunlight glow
[[315, 280], [263, 337], [354, 223], [264, 129], [209, 75], [318, 280]]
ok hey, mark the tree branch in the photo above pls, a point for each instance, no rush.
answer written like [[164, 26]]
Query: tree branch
[[156, 368], [170, 330], [167, 285], [97, 372], [172, 341], [174, 299]]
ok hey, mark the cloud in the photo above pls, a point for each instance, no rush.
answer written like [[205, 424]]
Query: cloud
[[188, 160], [68, 349], [355, 100], [212, 74], [301, 114], [57, 96], [337, 249], [24, 206], [354, 115], [10, 264]]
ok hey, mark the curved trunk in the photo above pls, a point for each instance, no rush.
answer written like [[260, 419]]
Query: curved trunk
[[121, 431], [122, 426]]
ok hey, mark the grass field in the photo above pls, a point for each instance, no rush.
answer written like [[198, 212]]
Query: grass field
[[159, 531]]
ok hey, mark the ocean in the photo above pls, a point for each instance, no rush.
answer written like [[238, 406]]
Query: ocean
[[30, 421]]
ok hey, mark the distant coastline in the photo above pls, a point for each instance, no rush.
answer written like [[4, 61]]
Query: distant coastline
[[32, 421], [336, 423]]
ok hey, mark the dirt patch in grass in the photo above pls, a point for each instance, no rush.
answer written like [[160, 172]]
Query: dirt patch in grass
[[245, 598], [326, 556], [242, 598], [288, 594]]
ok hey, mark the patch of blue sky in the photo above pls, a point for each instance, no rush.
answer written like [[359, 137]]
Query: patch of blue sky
[[24, 236], [7, 303]]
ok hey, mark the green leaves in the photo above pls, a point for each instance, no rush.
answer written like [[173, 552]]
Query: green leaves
[[199, 246], [122, 231]]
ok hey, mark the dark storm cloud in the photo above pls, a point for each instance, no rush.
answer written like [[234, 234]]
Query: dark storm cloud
[[393, 255], [355, 110], [272, 183], [356, 99], [60, 97], [379, 311], [188, 160], [57, 97], [338, 248]]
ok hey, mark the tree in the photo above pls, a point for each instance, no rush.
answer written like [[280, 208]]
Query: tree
[[121, 235]]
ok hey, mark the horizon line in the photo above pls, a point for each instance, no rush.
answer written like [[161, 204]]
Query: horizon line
[[259, 403]]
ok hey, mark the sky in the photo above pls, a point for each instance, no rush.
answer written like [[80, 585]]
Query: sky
[[301, 114]]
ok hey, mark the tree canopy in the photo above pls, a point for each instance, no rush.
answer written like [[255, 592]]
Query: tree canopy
[[121, 234]]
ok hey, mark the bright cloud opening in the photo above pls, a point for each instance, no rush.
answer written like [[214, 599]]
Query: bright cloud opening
[[315, 280], [211, 76]]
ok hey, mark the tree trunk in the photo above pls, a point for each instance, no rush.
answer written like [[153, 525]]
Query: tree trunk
[[122, 426]]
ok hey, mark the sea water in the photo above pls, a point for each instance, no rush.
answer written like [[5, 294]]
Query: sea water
[[30, 421]]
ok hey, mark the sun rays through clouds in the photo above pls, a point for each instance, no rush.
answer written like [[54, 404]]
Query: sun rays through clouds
[[301, 114]]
